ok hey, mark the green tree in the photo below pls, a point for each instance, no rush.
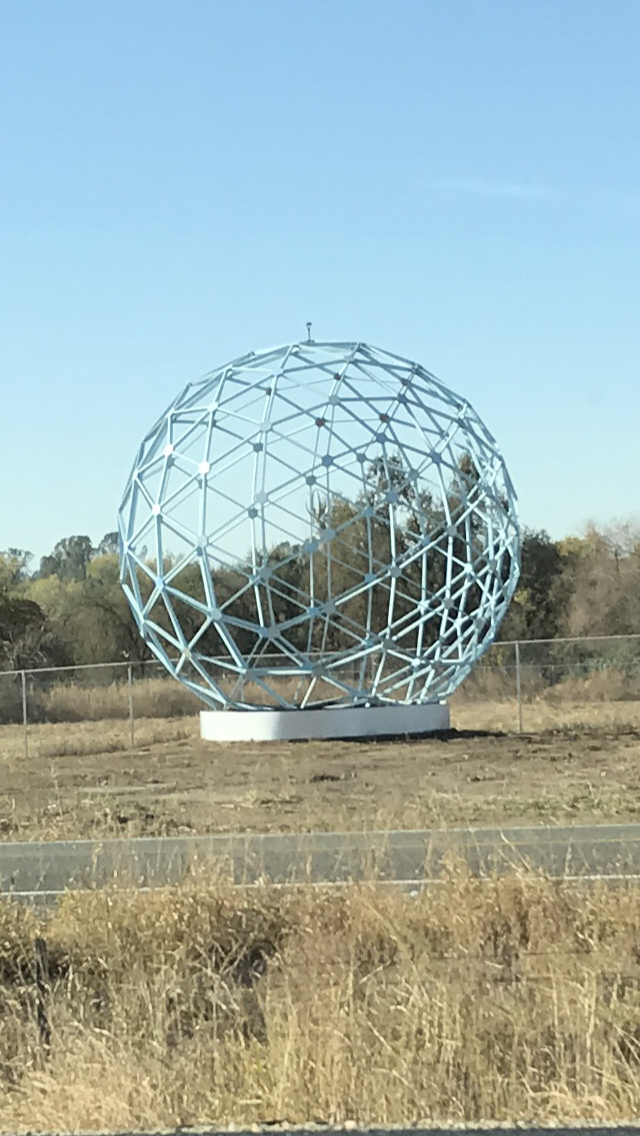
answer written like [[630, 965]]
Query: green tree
[[111, 632], [14, 567], [108, 545], [25, 636], [540, 605], [69, 559]]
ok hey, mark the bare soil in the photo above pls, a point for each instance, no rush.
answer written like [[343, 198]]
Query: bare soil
[[171, 782]]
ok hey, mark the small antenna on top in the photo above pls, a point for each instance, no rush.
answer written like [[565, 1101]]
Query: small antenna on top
[[308, 333]]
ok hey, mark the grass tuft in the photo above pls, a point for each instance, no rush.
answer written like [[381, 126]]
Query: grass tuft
[[509, 999]]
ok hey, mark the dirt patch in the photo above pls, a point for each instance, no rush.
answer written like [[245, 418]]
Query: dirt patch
[[172, 782]]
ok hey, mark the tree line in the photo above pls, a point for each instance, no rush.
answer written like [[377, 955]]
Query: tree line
[[71, 610]]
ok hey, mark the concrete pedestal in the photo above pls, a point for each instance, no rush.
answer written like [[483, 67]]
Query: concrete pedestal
[[325, 723]]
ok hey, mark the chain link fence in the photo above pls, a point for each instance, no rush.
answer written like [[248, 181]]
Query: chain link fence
[[522, 686], [541, 684]]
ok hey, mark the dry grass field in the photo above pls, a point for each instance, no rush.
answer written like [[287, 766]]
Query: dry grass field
[[509, 999], [515, 998], [578, 760]]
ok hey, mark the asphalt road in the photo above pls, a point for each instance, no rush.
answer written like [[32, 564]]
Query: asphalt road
[[45, 870]]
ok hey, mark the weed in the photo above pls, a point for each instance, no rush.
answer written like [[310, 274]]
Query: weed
[[507, 999]]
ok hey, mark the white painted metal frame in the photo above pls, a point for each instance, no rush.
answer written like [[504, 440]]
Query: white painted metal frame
[[328, 482]]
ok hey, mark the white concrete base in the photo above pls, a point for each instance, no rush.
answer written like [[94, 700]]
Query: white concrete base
[[327, 722]]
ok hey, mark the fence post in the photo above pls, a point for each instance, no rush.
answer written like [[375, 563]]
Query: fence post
[[25, 721], [130, 692], [519, 686]]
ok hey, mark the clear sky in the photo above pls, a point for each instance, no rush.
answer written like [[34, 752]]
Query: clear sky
[[183, 181]]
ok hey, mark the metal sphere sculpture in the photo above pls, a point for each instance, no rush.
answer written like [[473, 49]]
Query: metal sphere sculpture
[[321, 523]]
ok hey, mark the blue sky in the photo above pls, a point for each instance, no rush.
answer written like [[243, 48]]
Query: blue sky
[[182, 182]]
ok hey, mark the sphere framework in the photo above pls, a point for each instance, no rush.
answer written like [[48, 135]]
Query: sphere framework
[[319, 523]]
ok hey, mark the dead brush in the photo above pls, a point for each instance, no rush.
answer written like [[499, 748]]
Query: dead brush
[[508, 998], [152, 698]]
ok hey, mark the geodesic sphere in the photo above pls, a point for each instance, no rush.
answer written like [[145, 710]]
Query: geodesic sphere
[[322, 522]]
